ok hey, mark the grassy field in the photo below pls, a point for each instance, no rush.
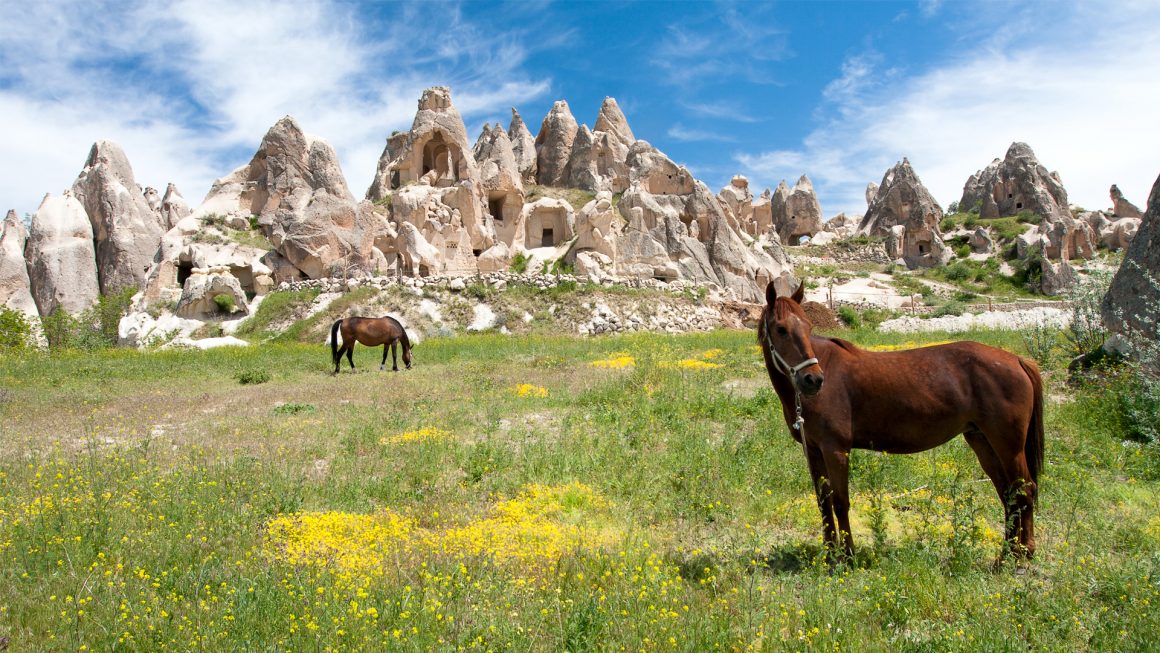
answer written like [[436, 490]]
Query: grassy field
[[530, 493]]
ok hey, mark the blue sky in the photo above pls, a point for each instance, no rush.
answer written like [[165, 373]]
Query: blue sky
[[838, 91]]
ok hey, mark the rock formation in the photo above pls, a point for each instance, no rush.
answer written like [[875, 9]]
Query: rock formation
[[598, 160], [677, 229], [554, 145], [523, 147], [904, 212], [737, 198], [796, 211], [295, 187], [174, 208], [500, 175], [1017, 183], [1121, 207], [127, 231], [1132, 300], [62, 261], [15, 289]]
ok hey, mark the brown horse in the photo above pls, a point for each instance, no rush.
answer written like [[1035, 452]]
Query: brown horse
[[372, 332], [836, 397]]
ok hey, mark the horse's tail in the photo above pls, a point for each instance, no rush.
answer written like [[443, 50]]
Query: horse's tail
[[334, 341], [1033, 448]]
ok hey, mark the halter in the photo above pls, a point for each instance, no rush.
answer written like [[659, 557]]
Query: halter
[[791, 372]]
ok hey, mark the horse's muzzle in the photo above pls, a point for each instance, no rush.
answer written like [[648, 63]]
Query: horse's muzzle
[[811, 384]]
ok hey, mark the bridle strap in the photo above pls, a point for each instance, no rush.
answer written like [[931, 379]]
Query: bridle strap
[[790, 371]]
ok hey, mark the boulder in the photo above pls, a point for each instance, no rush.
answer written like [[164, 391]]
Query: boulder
[[62, 261], [1133, 300], [843, 225], [1015, 184], [15, 288], [980, 241], [127, 232], [597, 227], [296, 188], [1057, 278], [417, 257], [554, 145], [902, 200], [523, 147], [203, 287], [796, 211], [1121, 207]]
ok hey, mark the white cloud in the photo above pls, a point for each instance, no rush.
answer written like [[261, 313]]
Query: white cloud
[[680, 133], [1082, 93], [189, 89]]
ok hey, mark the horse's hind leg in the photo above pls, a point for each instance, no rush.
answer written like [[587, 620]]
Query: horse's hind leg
[[350, 355], [994, 470], [1018, 492]]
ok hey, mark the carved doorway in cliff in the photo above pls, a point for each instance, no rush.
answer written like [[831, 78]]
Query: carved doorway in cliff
[[442, 157]]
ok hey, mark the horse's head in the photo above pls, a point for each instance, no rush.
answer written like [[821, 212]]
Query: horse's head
[[785, 330]]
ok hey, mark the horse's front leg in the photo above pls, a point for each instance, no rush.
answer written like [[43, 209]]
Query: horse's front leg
[[824, 496], [383, 365], [838, 474], [394, 356]]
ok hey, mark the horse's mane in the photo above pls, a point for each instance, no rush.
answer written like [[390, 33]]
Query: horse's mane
[[845, 344]]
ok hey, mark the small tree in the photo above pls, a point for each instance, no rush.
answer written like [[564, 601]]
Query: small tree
[[15, 330]]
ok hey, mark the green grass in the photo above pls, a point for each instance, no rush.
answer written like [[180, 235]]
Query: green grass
[[137, 488]]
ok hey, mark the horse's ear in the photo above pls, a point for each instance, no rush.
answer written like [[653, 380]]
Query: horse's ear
[[800, 293], [770, 293]]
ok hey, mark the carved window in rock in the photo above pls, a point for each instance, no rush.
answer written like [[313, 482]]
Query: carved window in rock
[[495, 204]]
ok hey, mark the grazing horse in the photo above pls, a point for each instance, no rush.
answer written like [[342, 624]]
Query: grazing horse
[[836, 397], [372, 332]]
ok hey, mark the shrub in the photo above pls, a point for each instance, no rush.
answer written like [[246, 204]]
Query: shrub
[[225, 303], [15, 330], [95, 328], [952, 307], [1028, 216], [958, 271], [872, 317], [849, 316], [977, 208], [953, 207], [293, 408], [962, 251], [253, 376], [1087, 331], [520, 263], [947, 224]]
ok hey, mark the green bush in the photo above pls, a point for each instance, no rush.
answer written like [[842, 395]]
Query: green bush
[[253, 376], [962, 251], [225, 303], [872, 317], [293, 408], [849, 316], [95, 328], [15, 330], [952, 307], [1027, 216], [958, 271], [520, 263]]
